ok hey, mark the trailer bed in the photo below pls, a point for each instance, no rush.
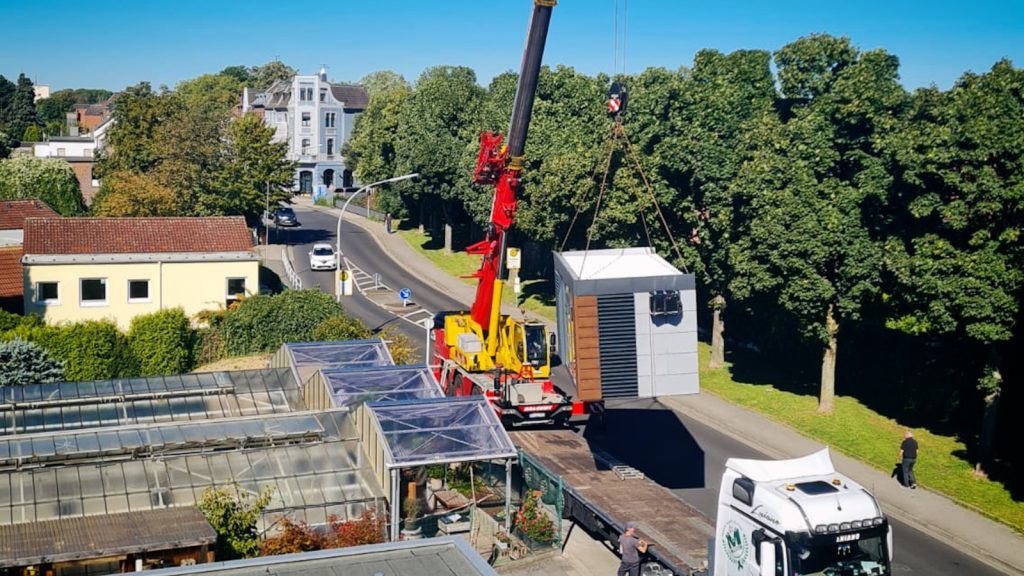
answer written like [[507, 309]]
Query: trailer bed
[[604, 499]]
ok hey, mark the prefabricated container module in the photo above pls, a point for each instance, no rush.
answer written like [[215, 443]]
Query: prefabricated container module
[[627, 324]]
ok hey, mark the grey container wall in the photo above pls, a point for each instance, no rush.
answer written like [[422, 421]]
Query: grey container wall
[[612, 342]]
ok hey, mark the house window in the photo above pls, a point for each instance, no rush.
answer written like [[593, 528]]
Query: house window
[[329, 120], [323, 95], [236, 290], [330, 146], [138, 291], [48, 292], [94, 291], [305, 119], [305, 94], [61, 152], [305, 145]]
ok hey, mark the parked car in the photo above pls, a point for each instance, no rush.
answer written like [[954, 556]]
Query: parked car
[[285, 217], [322, 257]]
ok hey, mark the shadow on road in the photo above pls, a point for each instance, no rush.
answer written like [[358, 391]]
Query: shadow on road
[[650, 437]]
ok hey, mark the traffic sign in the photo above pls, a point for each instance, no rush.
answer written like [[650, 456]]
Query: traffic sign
[[405, 293]]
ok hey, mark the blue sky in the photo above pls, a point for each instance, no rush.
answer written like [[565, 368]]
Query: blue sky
[[113, 44]]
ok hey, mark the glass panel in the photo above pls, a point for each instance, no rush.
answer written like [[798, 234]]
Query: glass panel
[[90, 481], [199, 469], [113, 479], [220, 471], [94, 506], [46, 485], [94, 289], [67, 483], [22, 488], [139, 502], [117, 503], [5, 491], [135, 477], [47, 510]]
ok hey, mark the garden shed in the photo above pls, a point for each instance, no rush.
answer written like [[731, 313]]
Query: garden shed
[[627, 324]]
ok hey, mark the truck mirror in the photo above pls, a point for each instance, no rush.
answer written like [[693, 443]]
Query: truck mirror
[[767, 564], [552, 342]]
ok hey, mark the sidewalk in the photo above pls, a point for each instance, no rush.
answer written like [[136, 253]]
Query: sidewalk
[[933, 514]]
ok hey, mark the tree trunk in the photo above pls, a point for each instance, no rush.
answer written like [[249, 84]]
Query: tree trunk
[[826, 398], [717, 333], [447, 229], [423, 228]]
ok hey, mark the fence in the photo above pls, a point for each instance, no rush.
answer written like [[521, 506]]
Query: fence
[[535, 478], [293, 277]]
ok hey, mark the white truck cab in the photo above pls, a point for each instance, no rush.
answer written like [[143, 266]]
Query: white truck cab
[[798, 517]]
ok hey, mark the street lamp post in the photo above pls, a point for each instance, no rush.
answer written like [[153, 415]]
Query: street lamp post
[[337, 235]]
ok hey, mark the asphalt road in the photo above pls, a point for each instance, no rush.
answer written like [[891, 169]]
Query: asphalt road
[[637, 430]]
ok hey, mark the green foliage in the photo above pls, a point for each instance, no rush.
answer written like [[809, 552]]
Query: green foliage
[[263, 323], [233, 514], [252, 161], [32, 134], [49, 179], [161, 342], [17, 107], [89, 350], [383, 81], [341, 327], [261, 77], [239, 73], [138, 113], [218, 90], [26, 363], [532, 521]]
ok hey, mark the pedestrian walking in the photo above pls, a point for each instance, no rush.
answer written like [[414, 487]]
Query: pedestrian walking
[[387, 222], [630, 547], [907, 458]]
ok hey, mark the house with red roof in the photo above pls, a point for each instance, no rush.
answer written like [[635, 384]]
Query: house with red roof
[[12, 223], [118, 268]]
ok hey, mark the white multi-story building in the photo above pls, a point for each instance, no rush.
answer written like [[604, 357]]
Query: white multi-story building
[[315, 118]]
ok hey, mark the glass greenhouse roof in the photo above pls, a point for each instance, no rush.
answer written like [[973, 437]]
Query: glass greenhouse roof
[[308, 357], [437, 430], [185, 397], [353, 386], [313, 469]]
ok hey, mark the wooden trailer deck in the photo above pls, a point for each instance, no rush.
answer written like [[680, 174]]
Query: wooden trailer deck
[[678, 533]]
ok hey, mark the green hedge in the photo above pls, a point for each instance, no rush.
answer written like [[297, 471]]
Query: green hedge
[[341, 327], [263, 323], [161, 342], [90, 350]]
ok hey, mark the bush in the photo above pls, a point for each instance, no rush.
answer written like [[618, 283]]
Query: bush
[[24, 363], [50, 179], [263, 323], [532, 521], [293, 537], [90, 350], [402, 348], [10, 321], [341, 327], [161, 342], [233, 514]]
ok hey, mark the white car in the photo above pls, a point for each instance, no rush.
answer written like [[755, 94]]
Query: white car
[[322, 257]]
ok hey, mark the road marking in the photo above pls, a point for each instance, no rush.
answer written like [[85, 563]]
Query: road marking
[[380, 293]]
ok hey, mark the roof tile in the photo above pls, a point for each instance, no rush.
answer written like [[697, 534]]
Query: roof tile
[[10, 272], [14, 212], [53, 236]]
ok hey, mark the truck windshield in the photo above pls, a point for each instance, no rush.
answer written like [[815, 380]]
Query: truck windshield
[[840, 555], [536, 344]]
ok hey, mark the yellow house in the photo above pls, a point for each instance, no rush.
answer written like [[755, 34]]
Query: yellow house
[[117, 268]]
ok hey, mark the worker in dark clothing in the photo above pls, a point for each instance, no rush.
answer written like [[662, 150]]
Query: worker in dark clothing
[[907, 459], [630, 547]]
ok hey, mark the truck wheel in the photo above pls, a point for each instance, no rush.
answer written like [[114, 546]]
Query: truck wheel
[[477, 391]]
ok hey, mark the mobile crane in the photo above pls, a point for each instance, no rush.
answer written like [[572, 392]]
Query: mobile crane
[[481, 351]]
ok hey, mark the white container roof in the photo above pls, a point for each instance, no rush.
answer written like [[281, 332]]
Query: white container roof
[[617, 263]]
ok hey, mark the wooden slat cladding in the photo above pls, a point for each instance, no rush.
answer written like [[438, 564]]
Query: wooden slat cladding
[[587, 345]]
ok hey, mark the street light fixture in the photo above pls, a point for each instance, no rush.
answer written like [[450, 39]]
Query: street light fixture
[[337, 235]]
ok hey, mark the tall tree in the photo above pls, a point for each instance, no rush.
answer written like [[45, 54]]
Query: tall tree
[[126, 193], [371, 152], [188, 149], [813, 194], [261, 77], [240, 73], [22, 110], [138, 112], [256, 170], [437, 125], [701, 156], [958, 256], [219, 90], [7, 90], [49, 179], [383, 81]]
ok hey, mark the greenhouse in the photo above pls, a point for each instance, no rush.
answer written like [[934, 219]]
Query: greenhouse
[[311, 462], [350, 387], [415, 433], [185, 397], [305, 358]]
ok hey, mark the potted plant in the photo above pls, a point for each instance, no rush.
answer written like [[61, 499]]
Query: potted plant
[[435, 476], [533, 523]]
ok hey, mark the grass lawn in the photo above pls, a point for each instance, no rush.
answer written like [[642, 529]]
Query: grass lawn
[[535, 295], [853, 429], [861, 433]]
